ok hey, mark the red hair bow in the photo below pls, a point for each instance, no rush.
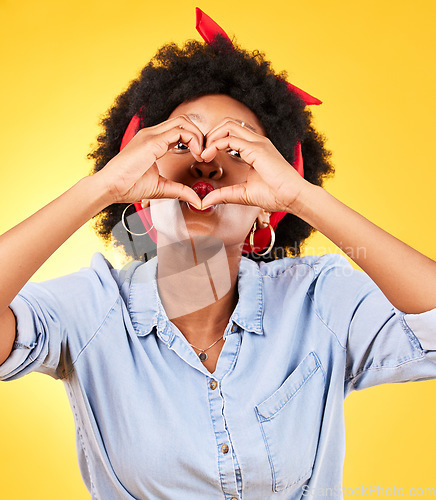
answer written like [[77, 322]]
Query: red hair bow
[[208, 30]]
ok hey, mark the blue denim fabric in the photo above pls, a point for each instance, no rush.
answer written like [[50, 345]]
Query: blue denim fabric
[[150, 425]]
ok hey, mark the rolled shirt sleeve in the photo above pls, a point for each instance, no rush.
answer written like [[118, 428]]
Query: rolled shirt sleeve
[[381, 343], [57, 318], [26, 340], [423, 326]]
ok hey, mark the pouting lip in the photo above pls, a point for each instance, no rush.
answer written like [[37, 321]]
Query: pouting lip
[[202, 189]]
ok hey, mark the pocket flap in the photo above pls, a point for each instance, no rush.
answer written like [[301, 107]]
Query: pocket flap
[[307, 367]]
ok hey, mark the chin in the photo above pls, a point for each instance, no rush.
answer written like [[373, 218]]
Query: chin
[[178, 222]]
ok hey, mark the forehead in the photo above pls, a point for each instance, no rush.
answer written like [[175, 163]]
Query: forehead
[[208, 111]]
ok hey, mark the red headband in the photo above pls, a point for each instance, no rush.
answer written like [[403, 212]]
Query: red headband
[[208, 29]]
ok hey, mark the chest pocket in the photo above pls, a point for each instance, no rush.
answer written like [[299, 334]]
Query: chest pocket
[[290, 421]]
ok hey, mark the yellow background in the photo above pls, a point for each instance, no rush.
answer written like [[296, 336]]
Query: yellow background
[[372, 63]]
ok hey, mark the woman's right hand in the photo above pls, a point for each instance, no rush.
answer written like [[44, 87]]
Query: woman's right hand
[[130, 176], [133, 175]]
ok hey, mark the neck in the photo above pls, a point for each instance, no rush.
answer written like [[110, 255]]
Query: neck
[[197, 281]]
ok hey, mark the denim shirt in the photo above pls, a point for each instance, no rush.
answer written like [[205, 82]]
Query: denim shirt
[[153, 423]]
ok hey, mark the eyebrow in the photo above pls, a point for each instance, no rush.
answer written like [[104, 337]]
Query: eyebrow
[[199, 118]]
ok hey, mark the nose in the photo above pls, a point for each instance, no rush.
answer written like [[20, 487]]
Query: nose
[[210, 170]]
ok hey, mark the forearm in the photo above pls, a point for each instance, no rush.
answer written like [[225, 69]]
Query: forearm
[[25, 247], [405, 276]]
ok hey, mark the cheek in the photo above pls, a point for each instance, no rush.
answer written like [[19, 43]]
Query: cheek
[[171, 166], [238, 220], [236, 172]]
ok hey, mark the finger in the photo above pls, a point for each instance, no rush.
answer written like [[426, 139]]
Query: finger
[[176, 190], [158, 144], [244, 147], [228, 194], [230, 127], [257, 154], [181, 121], [196, 156], [175, 135]]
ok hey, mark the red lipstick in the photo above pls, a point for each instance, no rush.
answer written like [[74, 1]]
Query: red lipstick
[[202, 189]]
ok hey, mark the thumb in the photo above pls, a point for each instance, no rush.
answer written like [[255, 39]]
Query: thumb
[[228, 194], [171, 189]]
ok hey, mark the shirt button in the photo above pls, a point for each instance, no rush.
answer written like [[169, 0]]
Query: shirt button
[[224, 448], [234, 498], [213, 384], [234, 327]]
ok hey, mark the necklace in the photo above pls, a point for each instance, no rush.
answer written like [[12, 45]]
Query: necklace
[[202, 354]]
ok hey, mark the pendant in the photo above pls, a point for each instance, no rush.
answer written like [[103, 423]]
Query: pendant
[[202, 356]]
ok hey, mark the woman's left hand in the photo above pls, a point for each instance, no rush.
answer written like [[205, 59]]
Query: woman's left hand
[[275, 185], [272, 183]]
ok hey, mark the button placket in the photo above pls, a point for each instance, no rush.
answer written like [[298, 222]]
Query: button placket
[[226, 466]]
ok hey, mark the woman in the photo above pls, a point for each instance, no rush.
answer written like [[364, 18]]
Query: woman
[[202, 373]]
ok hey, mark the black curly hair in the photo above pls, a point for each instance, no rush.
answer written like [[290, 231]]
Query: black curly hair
[[178, 74]]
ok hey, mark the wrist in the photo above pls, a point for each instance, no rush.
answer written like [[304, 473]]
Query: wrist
[[98, 192], [306, 200]]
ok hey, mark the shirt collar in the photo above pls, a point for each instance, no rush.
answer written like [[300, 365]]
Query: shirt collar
[[248, 313], [146, 309]]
